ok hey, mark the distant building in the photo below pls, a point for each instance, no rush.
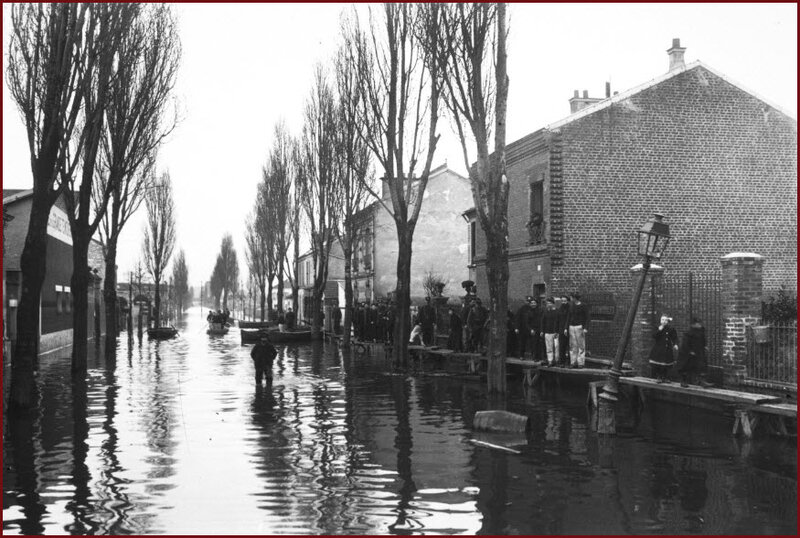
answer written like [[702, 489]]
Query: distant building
[[717, 160], [55, 329], [440, 245], [334, 289]]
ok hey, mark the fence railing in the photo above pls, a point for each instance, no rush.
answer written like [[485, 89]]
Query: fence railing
[[772, 353]]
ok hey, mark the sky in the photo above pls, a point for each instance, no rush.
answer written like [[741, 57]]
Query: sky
[[247, 66]]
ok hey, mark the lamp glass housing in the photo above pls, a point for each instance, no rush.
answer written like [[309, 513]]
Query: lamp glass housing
[[654, 238]]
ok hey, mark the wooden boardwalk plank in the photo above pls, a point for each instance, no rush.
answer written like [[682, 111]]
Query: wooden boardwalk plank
[[726, 395], [784, 409]]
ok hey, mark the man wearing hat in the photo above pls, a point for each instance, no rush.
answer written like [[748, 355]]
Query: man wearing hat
[[527, 327], [550, 325], [577, 322], [427, 319], [263, 354]]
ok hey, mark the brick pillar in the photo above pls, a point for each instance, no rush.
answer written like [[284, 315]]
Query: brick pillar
[[642, 332], [742, 287]]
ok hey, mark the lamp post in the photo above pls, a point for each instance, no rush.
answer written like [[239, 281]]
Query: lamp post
[[652, 243]]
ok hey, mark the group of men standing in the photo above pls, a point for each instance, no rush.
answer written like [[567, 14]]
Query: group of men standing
[[555, 333], [371, 323]]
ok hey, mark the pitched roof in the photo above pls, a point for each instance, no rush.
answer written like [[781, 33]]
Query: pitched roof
[[607, 102]]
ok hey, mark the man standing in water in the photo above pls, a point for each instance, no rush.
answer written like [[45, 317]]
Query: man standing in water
[[263, 354]]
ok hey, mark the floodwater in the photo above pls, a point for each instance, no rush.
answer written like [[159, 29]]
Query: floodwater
[[172, 437]]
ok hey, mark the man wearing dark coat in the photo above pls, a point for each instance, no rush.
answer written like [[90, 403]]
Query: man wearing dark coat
[[662, 355], [427, 319], [549, 329], [692, 355], [336, 316], [454, 338], [290, 319], [476, 319], [563, 336], [527, 328], [263, 354]]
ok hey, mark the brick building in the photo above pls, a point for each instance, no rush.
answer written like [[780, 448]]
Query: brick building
[[717, 160], [55, 329], [439, 247]]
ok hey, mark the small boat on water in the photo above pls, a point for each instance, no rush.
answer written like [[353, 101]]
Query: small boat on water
[[251, 336], [162, 333], [257, 324], [215, 328]]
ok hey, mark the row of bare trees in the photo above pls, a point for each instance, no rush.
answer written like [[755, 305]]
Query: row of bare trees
[[395, 76], [92, 83]]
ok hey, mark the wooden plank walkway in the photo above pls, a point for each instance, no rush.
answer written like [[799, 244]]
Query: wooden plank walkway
[[726, 395], [750, 409]]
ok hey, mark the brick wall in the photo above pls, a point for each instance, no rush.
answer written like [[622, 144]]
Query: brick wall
[[720, 164]]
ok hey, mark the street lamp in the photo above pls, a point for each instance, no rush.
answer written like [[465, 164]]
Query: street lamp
[[653, 239]]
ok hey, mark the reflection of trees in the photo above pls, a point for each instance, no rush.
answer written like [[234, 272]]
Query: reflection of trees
[[404, 443], [20, 476], [79, 505]]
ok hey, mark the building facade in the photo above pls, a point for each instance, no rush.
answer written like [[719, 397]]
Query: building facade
[[56, 306], [717, 160], [440, 245], [334, 288]]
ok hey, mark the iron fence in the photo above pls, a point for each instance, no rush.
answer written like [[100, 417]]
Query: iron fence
[[689, 295], [772, 353]]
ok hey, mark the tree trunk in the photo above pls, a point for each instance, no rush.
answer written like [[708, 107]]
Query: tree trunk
[[157, 306], [402, 325], [279, 306], [263, 300], [497, 276], [110, 290], [80, 297], [224, 298], [33, 266], [269, 297], [348, 297]]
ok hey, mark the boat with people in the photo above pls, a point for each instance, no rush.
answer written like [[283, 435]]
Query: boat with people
[[216, 328], [275, 335], [162, 333], [256, 324]]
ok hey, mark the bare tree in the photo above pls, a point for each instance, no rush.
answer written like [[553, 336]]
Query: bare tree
[[229, 268], [316, 174], [278, 193], [354, 176], [475, 38], [400, 90], [180, 280], [257, 239], [137, 123], [217, 281], [46, 56], [159, 234], [106, 22], [292, 266]]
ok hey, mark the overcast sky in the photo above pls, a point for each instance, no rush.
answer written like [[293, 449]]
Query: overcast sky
[[245, 66]]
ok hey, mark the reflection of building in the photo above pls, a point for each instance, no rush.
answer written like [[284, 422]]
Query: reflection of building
[[439, 245], [55, 328], [718, 161]]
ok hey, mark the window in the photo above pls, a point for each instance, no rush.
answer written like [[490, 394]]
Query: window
[[536, 216]]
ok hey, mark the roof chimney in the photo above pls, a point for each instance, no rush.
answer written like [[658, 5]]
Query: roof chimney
[[608, 89], [676, 55], [576, 103]]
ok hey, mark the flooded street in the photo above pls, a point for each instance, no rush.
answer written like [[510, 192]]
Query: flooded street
[[173, 437]]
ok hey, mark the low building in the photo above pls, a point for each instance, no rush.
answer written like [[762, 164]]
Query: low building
[[334, 288], [717, 160], [440, 246], [55, 330]]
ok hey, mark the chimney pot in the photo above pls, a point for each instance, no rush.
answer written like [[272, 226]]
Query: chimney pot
[[585, 94], [608, 89], [676, 55], [575, 94]]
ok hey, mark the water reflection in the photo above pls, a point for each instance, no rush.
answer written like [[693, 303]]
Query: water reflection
[[173, 437]]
